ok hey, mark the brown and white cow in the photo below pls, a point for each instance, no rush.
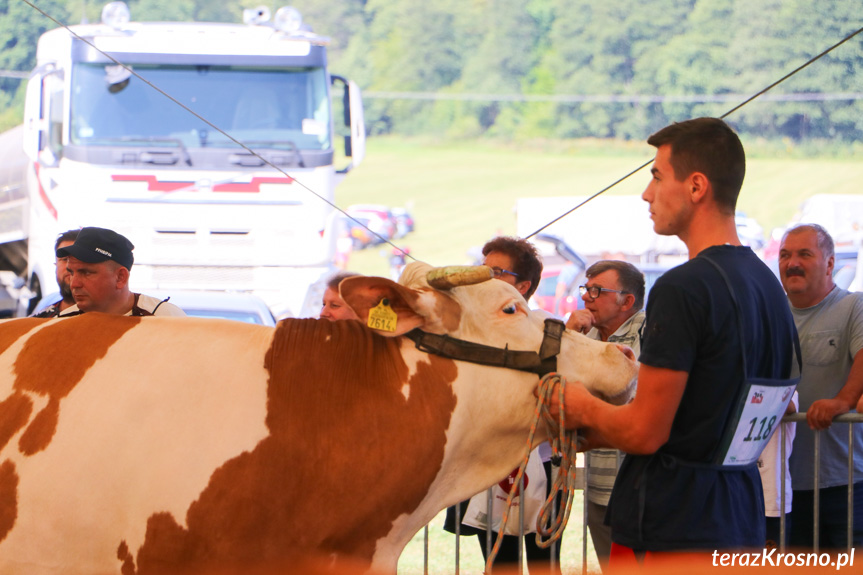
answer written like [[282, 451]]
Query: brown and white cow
[[153, 445]]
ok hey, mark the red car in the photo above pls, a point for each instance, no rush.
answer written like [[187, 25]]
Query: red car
[[558, 300]]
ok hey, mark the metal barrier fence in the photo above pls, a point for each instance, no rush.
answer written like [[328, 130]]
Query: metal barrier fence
[[849, 418]]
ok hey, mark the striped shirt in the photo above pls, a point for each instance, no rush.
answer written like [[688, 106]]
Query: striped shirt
[[602, 464]]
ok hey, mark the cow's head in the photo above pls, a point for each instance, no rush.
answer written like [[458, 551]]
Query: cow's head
[[491, 313]]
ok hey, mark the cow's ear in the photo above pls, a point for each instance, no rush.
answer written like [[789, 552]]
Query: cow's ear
[[412, 308]]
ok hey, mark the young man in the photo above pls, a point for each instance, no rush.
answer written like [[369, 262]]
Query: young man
[[613, 299], [670, 493], [830, 322], [99, 264]]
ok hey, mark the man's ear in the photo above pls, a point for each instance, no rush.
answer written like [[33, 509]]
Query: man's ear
[[700, 187], [628, 302], [523, 286], [122, 277]]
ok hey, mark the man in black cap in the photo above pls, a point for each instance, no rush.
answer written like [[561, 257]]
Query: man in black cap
[[99, 263]]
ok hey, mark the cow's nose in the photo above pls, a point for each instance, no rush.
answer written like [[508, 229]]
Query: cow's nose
[[627, 351]]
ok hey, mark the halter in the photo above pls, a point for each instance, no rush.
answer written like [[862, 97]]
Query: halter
[[541, 363]]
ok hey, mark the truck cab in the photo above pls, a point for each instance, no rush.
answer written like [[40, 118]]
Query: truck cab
[[211, 146]]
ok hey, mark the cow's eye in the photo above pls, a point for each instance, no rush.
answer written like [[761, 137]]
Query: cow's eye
[[510, 309]]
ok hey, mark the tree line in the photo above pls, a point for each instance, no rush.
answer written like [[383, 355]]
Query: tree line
[[524, 69]]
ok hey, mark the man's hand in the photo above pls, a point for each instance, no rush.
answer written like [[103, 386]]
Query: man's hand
[[821, 413], [581, 320], [575, 398]]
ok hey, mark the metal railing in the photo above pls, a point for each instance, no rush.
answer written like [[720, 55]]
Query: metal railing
[[848, 418]]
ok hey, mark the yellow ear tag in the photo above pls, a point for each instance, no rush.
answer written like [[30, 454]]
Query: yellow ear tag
[[383, 317]]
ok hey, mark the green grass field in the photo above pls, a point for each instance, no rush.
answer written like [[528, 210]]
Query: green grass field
[[462, 194]]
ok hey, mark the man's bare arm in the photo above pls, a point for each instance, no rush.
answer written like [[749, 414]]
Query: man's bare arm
[[821, 413], [639, 427]]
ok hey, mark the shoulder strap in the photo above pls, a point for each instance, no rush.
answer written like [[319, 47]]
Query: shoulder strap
[[139, 311], [739, 315]]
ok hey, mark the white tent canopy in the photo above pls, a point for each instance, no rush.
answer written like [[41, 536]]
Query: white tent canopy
[[606, 225]]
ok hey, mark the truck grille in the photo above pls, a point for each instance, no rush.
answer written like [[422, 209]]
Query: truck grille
[[224, 276]]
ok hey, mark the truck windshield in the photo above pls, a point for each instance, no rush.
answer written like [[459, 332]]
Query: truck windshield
[[282, 108]]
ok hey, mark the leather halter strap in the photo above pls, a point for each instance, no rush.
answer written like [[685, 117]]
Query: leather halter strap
[[539, 363]]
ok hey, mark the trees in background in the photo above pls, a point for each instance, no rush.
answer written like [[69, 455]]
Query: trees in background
[[19, 26], [553, 68]]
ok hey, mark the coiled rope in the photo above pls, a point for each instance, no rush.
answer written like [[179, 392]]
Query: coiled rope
[[549, 525]]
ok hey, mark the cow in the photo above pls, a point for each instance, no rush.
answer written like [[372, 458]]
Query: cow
[[163, 445]]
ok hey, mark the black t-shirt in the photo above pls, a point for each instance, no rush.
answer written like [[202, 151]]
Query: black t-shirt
[[664, 502]]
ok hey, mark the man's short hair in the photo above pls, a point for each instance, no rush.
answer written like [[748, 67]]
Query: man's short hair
[[526, 262], [67, 236], [336, 279], [630, 278], [709, 146], [824, 240]]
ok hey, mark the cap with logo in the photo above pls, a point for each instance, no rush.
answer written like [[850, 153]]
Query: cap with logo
[[95, 245]]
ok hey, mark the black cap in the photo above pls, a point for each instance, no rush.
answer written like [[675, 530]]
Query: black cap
[[95, 245]]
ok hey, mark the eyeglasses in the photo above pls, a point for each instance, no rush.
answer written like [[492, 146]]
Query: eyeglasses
[[596, 291], [500, 271]]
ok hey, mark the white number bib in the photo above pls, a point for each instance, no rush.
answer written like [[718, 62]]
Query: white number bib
[[759, 418]]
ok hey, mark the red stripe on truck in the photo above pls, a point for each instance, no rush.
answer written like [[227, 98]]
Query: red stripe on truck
[[155, 185]]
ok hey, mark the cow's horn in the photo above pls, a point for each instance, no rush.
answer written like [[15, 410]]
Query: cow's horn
[[452, 276]]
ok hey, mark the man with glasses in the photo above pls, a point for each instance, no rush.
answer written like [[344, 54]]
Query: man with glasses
[[713, 326], [613, 299]]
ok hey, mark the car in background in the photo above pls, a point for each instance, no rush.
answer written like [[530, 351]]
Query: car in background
[[236, 306], [358, 230], [556, 294], [749, 231], [372, 224], [376, 218], [404, 221], [562, 270], [846, 268]]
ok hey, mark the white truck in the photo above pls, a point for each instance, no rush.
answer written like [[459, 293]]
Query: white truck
[[107, 142]]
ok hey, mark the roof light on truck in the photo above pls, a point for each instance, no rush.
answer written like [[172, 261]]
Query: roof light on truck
[[288, 19], [115, 14]]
